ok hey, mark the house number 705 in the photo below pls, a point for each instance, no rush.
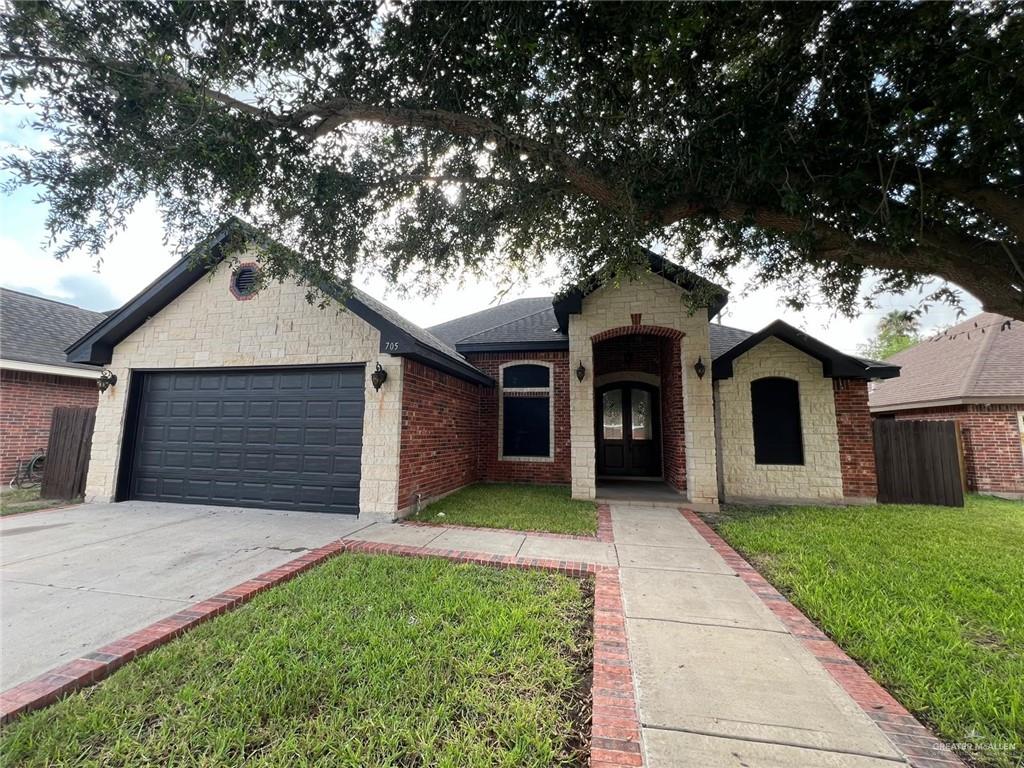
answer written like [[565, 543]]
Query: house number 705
[[390, 346]]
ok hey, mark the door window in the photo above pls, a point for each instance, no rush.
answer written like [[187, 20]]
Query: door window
[[640, 414], [611, 409]]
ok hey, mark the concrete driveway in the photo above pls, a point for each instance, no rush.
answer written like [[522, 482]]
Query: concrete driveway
[[75, 579]]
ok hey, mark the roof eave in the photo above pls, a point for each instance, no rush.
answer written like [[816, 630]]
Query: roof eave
[[834, 364], [97, 346], [513, 346]]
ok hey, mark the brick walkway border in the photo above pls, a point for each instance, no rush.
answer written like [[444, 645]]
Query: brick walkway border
[[919, 744], [604, 528], [615, 729]]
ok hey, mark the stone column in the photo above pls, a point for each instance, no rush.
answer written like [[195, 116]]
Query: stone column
[[583, 463]]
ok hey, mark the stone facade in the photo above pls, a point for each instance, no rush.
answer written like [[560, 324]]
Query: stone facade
[[440, 431], [27, 401], [820, 477], [993, 441], [649, 302], [208, 327]]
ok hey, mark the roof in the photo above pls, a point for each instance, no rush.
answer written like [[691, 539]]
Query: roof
[[571, 302], [974, 361], [37, 330], [519, 324], [398, 336], [834, 364], [531, 324]]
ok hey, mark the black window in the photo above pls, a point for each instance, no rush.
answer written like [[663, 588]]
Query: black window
[[526, 411], [526, 376], [775, 403]]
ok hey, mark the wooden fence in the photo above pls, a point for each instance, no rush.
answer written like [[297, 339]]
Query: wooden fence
[[919, 462], [67, 453]]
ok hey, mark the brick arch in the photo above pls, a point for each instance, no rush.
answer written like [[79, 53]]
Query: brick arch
[[635, 330]]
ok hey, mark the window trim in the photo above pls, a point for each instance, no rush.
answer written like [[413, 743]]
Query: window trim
[[799, 417], [549, 390]]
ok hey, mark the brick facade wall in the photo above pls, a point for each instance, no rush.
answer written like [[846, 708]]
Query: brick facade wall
[[27, 401], [491, 467], [992, 443], [440, 434], [856, 442], [673, 424]]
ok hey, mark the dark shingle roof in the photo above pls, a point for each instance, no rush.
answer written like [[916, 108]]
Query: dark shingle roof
[[724, 338], [496, 317], [37, 330], [533, 321]]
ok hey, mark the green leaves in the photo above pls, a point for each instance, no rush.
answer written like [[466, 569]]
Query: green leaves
[[813, 140]]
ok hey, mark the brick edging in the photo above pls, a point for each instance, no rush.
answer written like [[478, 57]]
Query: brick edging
[[920, 746], [615, 729], [604, 528]]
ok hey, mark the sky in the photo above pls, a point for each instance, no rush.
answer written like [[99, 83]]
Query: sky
[[138, 255]]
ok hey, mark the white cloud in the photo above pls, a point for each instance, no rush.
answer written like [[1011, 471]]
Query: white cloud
[[134, 258]]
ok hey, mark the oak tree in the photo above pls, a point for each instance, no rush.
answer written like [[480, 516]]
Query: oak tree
[[819, 142]]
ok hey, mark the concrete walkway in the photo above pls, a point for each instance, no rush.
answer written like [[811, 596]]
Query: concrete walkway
[[720, 681]]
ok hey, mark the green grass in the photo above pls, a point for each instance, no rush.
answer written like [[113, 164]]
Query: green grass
[[929, 599], [15, 500], [520, 507], [363, 661]]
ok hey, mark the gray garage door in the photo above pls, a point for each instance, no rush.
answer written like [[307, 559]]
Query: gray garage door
[[286, 438]]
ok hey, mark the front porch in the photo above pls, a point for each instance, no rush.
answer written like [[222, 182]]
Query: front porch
[[647, 492]]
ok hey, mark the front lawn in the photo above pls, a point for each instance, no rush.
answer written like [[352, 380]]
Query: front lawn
[[363, 661], [929, 599], [520, 507]]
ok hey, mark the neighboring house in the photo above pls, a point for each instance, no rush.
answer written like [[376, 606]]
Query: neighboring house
[[972, 374], [261, 399], [35, 375]]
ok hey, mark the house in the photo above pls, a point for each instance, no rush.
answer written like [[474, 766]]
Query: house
[[972, 374], [230, 395], [35, 375]]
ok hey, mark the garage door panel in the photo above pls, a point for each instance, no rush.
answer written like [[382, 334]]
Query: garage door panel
[[272, 438]]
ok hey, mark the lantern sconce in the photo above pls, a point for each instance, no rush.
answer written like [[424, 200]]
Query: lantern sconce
[[378, 377], [700, 368], [106, 380], [580, 372]]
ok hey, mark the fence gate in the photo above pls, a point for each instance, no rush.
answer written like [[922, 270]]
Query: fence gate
[[919, 462], [67, 453]]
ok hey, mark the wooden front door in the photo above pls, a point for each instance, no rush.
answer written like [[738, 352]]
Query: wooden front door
[[628, 430]]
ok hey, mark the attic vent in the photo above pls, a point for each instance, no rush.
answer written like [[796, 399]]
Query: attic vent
[[243, 281]]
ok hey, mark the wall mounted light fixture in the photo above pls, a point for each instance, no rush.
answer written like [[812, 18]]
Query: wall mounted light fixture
[[700, 368], [106, 380], [378, 377], [580, 371]]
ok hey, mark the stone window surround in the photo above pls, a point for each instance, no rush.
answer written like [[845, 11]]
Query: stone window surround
[[549, 390]]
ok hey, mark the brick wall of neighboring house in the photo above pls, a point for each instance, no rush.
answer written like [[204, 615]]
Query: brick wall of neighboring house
[[440, 434], [27, 401], [497, 470], [992, 443], [856, 441], [673, 427]]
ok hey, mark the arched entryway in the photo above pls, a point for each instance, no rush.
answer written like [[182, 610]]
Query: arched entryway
[[638, 405]]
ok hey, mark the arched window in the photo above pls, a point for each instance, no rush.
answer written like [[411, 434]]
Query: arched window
[[526, 411], [775, 406]]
